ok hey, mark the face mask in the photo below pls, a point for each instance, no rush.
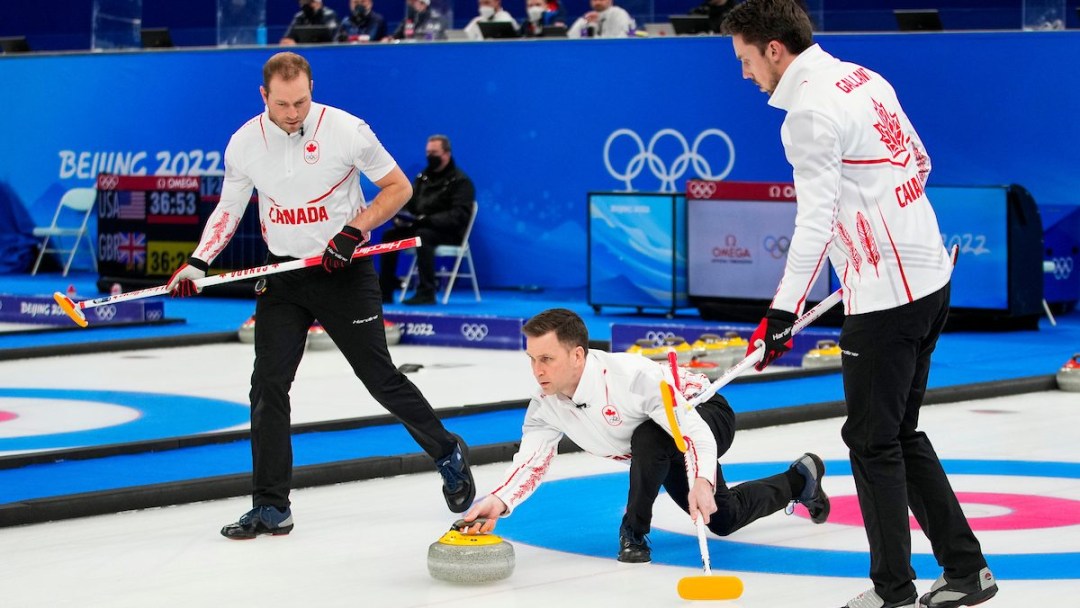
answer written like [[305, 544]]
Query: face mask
[[487, 11], [433, 162], [536, 12]]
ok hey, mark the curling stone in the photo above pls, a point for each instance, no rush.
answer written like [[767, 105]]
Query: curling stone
[[723, 351], [470, 558], [697, 365], [246, 333], [393, 332], [317, 338], [1068, 377], [825, 355]]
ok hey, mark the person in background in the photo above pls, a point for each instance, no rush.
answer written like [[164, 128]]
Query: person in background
[[610, 405], [312, 12], [715, 10], [860, 172], [304, 158], [438, 213], [421, 22], [605, 20], [490, 11], [362, 25], [540, 14]]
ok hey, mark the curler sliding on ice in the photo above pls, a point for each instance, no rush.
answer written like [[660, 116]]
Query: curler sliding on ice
[[74, 309]]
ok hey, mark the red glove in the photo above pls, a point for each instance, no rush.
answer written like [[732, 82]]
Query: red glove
[[774, 335], [181, 283], [340, 249]]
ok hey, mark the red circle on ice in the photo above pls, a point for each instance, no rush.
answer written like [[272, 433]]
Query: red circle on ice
[[998, 511], [5, 416]]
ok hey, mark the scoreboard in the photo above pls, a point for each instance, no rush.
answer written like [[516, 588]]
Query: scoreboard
[[148, 225]]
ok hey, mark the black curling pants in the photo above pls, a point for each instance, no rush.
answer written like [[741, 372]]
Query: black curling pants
[[348, 304], [656, 462], [886, 363]]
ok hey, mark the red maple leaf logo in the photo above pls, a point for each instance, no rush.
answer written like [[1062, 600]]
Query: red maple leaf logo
[[892, 134], [609, 412], [311, 146]]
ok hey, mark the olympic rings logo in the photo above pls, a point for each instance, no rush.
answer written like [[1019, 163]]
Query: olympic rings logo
[[777, 247], [153, 315], [667, 174], [658, 337], [1063, 268], [108, 182], [474, 332], [105, 313], [700, 189]]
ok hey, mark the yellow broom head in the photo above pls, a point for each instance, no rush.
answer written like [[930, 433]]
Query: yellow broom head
[[710, 587], [70, 309]]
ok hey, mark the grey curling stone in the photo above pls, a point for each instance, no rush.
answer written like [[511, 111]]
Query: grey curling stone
[[1068, 377], [246, 333], [470, 558], [318, 339], [393, 332]]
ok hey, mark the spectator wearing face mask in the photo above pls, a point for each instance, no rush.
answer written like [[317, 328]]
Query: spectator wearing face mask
[[362, 25], [605, 21], [541, 14], [438, 213], [312, 12], [490, 11]]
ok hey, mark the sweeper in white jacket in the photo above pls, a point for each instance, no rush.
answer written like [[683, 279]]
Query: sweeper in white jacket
[[610, 405], [860, 172]]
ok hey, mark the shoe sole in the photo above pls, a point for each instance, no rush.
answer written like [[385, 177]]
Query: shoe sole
[[973, 599], [467, 502], [824, 516], [282, 531]]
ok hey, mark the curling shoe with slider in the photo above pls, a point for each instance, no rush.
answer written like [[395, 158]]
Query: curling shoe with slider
[[870, 599], [967, 591], [264, 519], [634, 548], [459, 489], [813, 496]]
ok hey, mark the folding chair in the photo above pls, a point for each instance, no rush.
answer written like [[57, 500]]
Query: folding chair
[[77, 200], [462, 255]]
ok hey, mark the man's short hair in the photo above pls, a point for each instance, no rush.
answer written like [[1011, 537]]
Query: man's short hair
[[569, 329], [762, 21], [285, 65], [442, 139]]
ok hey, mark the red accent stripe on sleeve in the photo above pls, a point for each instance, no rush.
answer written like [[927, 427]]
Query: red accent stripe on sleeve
[[321, 114], [263, 129]]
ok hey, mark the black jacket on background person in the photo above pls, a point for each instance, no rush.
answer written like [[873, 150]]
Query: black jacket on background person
[[443, 199], [324, 16], [715, 13]]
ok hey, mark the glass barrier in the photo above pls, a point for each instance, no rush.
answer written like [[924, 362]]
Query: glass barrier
[[241, 22], [1044, 15], [116, 25]]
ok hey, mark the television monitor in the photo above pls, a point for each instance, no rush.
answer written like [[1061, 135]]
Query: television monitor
[[311, 34], [918, 20], [14, 44], [492, 30], [553, 31], [156, 38], [690, 25]]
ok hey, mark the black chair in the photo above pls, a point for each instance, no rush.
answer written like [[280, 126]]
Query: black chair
[[918, 20], [690, 25], [311, 34], [156, 38], [14, 44], [492, 30]]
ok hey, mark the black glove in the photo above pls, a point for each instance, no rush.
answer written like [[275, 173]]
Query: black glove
[[774, 332], [339, 250], [181, 283]]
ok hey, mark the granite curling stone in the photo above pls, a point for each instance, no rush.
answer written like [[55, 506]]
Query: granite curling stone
[[1068, 377], [470, 558]]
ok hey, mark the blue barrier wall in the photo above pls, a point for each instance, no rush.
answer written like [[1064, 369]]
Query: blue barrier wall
[[539, 124]]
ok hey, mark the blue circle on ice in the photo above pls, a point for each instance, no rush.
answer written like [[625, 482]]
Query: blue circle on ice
[[582, 515]]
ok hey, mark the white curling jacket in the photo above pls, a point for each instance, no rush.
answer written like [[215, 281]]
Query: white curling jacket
[[616, 394], [860, 170], [307, 183]]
